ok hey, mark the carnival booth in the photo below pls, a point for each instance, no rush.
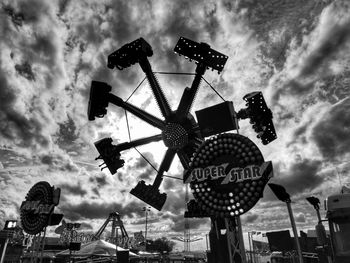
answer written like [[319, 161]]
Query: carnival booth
[[97, 250]]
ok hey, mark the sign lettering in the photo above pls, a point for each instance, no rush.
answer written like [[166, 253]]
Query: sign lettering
[[234, 175], [37, 207]]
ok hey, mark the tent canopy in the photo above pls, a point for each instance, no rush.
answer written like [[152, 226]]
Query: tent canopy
[[96, 248]]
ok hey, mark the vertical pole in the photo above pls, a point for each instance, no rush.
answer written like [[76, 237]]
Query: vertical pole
[[32, 249], [189, 240], [70, 242], [146, 211], [116, 244], [250, 248], [114, 235], [185, 244], [256, 257], [300, 256], [4, 250], [43, 245], [206, 240], [318, 216], [187, 234], [37, 247], [229, 240], [238, 229], [329, 259], [253, 250], [240, 238]]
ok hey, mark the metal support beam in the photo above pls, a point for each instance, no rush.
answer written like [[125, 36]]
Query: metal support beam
[[235, 240], [226, 247], [143, 115], [164, 167], [128, 145], [189, 93], [4, 250], [157, 91], [300, 256]]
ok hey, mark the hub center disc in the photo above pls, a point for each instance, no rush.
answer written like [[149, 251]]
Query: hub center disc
[[175, 136]]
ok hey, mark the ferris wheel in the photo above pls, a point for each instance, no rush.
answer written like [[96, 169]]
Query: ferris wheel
[[179, 130]]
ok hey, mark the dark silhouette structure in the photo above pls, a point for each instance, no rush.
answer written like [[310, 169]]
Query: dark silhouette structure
[[180, 132]]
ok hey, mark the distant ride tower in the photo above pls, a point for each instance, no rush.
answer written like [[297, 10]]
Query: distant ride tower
[[117, 226]]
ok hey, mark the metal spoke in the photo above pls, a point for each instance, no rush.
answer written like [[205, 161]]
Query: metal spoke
[[164, 166], [184, 158], [143, 115], [189, 93], [156, 89], [138, 142]]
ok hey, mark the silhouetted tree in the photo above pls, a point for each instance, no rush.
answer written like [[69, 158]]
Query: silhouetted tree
[[160, 245]]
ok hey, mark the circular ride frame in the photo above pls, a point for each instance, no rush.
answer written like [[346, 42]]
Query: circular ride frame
[[180, 132]]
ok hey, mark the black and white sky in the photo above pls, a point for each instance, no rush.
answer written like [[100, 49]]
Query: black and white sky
[[296, 52]]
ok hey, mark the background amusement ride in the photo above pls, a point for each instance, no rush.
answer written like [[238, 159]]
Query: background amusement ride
[[226, 171]]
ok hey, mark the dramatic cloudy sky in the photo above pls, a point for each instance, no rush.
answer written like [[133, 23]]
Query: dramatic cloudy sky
[[295, 52]]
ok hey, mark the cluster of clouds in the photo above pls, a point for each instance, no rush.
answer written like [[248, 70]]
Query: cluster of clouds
[[295, 52]]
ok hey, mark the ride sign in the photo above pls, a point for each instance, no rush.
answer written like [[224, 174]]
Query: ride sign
[[227, 176], [38, 206], [237, 174]]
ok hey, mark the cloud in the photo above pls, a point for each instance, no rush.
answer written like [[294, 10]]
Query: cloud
[[100, 180], [331, 132], [322, 53], [144, 169], [142, 162], [250, 218], [72, 189], [25, 70], [16, 128], [58, 160], [28, 114], [299, 177], [97, 210], [175, 202], [170, 184], [333, 38], [300, 218], [279, 24], [86, 226], [296, 53], [178, 223], [67, 133], [16, 17]]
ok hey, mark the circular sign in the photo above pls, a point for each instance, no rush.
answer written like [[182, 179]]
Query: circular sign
[[227, 175], [37, 207]]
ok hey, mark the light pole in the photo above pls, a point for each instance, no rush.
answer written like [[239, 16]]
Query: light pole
[[250, 247], [254, 253], [4, 249], [281, 194], [146, 209], [315, 202], [253, 257], [206, 240], [320, 230]]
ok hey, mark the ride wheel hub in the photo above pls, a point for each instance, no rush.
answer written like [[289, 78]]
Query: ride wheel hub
[[175, 136]]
